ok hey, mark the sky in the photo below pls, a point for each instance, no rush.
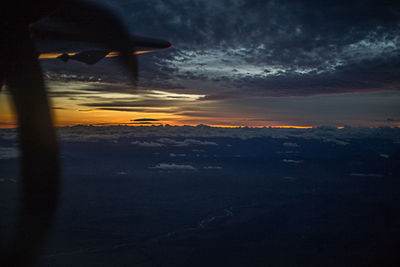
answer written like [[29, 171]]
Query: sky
[[241, 63]]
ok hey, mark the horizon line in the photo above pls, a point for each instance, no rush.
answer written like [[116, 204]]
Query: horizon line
[[14, 126]]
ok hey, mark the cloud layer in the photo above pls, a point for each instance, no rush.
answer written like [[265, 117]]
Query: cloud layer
[[184, 135], [236, 48], [276, 48]]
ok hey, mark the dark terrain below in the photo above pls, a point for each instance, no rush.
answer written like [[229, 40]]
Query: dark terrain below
[[223, 202]]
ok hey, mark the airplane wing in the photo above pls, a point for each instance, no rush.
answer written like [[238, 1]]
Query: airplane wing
[[51, 32], [89, 57], [146, 45]]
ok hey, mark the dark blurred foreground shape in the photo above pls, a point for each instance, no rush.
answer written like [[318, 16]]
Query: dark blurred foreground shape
[[21, 73]]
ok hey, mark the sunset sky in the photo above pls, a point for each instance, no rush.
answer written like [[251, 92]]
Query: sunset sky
[[241, 63]]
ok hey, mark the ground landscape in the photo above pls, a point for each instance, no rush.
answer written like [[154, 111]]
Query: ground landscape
[[205, 196]]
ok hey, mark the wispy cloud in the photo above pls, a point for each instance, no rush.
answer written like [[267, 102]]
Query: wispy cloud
[[212, 168], [173, 166], [147, 144], [291, 161], [186, 142]]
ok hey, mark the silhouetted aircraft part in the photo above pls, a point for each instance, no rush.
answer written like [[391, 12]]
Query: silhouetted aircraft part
[[40, 32], [39, 147], [20, 71], [87, 22], [52, 29], [88, 57], [146, 45]]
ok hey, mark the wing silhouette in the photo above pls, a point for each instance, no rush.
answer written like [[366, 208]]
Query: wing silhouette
[[91, 57]]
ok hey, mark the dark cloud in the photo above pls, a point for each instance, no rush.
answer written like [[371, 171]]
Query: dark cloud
[[144, 110], [305, 47], [68, 93], [238, 48], [144, 123], [145, 119], [138, 103]]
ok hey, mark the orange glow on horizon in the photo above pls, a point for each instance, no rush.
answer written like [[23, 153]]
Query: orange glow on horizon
[[291, 126], [176, 109], [70, 114], [177, 124], [116, 122]]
